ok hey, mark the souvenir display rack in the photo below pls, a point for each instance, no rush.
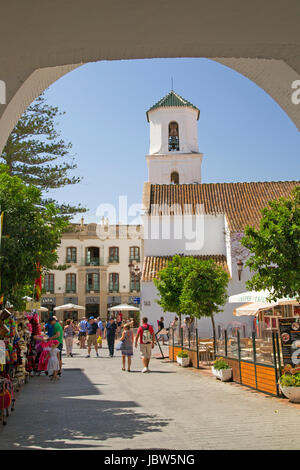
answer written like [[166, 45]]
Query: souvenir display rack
[[17, 353]]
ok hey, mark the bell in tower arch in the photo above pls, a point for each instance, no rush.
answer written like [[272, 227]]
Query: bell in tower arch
[[173, 137]]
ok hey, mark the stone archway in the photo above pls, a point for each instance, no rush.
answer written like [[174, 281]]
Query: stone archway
[[258, 39]]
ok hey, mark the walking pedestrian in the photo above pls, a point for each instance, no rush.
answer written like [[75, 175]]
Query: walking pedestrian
[[92, 330], [119, 320], [110, 334], [161, 326], [49, 328], [53, 362], [146, 338], [58, 335], [127, 348], [69, 333], [101, 332], [82, 332]]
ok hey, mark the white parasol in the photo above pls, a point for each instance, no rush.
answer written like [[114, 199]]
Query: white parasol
[[123, 307], [42, 309], [252, 308], [69, 307], [258, 296]]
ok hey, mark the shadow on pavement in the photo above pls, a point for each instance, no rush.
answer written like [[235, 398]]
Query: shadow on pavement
[[69, 411]]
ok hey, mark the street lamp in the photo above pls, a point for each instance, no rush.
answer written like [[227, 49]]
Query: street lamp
[[240, 265], [135, 270]]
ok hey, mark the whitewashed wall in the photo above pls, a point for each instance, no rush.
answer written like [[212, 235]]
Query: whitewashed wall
[[210, 233], [159, 129], [224, 319], [188, 167]]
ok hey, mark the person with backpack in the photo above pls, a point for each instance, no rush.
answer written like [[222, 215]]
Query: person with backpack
[[145, 335]]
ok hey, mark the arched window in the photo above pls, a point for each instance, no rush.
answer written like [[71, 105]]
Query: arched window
[[173, 137], [175, 177], [92, 256]]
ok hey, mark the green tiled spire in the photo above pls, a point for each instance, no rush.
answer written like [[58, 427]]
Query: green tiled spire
[[174, 100]]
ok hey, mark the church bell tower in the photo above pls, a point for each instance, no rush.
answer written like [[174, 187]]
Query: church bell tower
[[174, 156]]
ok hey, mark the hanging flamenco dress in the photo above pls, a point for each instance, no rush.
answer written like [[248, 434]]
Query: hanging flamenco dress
[[30, 363], [44, 357]]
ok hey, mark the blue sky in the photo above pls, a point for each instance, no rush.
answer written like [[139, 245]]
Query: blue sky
[[243, 133]]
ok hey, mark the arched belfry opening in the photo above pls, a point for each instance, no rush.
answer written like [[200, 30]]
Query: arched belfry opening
[[173, 137], [175, 177]]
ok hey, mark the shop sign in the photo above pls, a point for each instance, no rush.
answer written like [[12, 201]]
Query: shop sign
[[290, 340], [49, 300], [92, 300], [2, 353], [32, 305], [113, 299], [71, 300]]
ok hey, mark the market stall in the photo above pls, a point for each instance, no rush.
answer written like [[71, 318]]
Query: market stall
[[15, 335], [21, 346]]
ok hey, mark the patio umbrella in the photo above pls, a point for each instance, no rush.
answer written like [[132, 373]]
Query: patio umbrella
[[251, 308], [258, 296], [123, 307], [42, 309], [69, 307]]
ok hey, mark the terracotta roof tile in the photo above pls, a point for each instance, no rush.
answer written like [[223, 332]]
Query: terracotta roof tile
[[153, 264], [240, 202]]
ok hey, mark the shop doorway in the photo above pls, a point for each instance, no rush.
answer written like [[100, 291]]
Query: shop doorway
[[70, 315], [92, 310], [44, 316]]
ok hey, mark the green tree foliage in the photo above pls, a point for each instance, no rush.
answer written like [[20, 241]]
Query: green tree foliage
[[193, 287], [170, 283], [275, 248], [204, 290], [35, 152], [31, 234]]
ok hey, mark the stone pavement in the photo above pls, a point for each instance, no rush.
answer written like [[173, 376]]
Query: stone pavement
[[95, 405]]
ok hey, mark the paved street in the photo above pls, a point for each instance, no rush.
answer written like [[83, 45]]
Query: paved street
[[97, 406]]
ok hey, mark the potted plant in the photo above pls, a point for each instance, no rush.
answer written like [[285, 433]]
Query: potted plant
[[221, 369], [183, 358], [290, 383]]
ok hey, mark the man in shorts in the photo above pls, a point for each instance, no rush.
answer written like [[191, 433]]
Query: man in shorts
[[92, 331], [145, 335], [82, 332]]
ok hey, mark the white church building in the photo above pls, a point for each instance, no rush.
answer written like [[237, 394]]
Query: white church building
[[184, 216]]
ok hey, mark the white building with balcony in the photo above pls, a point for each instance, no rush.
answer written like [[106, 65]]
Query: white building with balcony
[[97, 268]]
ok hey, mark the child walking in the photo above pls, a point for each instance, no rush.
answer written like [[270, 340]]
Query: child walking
[[53, 362]]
